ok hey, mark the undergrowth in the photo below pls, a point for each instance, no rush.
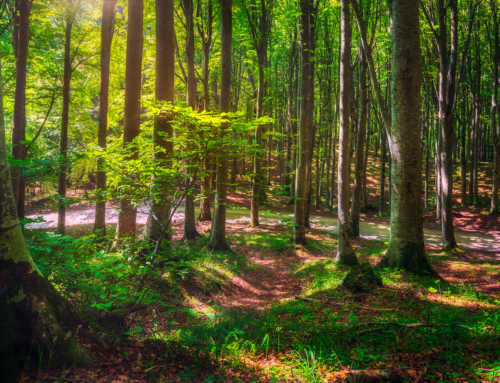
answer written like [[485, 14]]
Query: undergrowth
[[413, 322]]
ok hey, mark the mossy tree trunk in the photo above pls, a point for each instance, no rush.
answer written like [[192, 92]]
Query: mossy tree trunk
[[35, 317]]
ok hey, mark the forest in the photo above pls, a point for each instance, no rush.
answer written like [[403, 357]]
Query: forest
[[249, 191]]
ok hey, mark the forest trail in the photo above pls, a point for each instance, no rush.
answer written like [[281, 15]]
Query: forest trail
[[369, 229]]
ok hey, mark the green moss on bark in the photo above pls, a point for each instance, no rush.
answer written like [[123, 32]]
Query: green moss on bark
[[362, 278]]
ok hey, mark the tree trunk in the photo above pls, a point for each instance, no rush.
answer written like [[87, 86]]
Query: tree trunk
[[63, 149], [383, 151], [299, 231], [345, 254], [406, 250], [205, 212], [107, 29], [20, 42], [156, 225], [190, 231], [218, 235], [360, 144], [132, 120], [495, 108], [258, 189], [32, 309]]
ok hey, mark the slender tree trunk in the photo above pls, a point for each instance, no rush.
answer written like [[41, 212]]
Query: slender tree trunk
[[218, 235], [33, 311], [365, 162], [132, 121], [107, 29], [360, 143], [190, 231], [63, 149], [406, 250], [383, 150], [495, 111], [20, 43], [345, 254], [304, 146], [437, 167], [463, 161], [156, 225], [205, 212]]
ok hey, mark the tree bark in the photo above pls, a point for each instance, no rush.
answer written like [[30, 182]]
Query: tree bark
[[299, 231], [218, 235], [63, 149], [406, 250], [345, 254], [156, 225], [360, 143], [132, 121], [495, 108], [107, 29], [205, 211], [20, 42]]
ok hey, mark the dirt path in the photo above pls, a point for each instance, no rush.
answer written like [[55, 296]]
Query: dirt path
[[369, 228]]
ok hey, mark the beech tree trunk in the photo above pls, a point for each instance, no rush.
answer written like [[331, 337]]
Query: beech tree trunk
[[406, 250], [345, 254], [20, 43], [63, 149], [132, 121], [299, 231], [107, 29], [495, 108], [190, 231], [32, 309], [218, 235], [156, 225], [360, 144], [205, 211]]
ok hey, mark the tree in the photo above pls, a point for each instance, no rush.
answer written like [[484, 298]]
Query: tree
[[345, 254], [107, 29], [132, 120], [190, 231], [63, 151], [218, 233], [206, 37], [406, 249], [20, 42], [447, 98], [304, 137], [259, 29], [32, 309], [495, 108], [163, 131]]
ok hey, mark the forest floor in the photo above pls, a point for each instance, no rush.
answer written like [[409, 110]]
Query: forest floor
[[270, 311]]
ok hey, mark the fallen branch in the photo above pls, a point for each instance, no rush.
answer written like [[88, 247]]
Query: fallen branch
[[410, 326], [365, 376]]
